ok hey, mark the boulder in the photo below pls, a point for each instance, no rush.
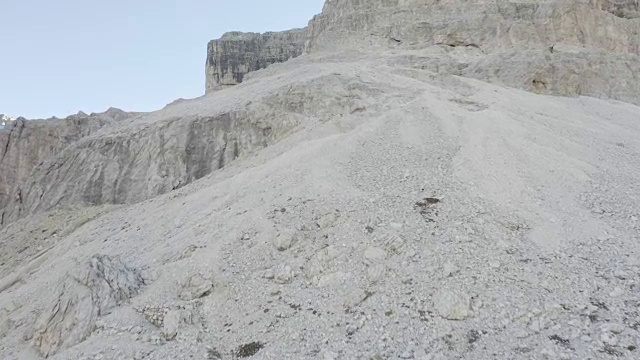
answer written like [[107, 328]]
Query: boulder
[[80, 300]]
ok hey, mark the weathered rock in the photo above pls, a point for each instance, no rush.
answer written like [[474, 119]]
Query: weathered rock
[[328, 220], [375, 255], [25, 145], [284, 274], [196, 287], [332, 279], [452, 305], [174, 321], [284, 240], [235, 54], [81, 300], [565, 47]]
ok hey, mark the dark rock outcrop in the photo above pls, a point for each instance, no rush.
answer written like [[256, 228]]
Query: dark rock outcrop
[[235, 54]]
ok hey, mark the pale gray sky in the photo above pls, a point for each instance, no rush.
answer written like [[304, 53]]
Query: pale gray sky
[[59, 57]]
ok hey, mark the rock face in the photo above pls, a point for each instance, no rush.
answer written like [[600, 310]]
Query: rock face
[[365, 191], [564, 47], [151, 154], [81, 300], [235, 54], [24, 145]]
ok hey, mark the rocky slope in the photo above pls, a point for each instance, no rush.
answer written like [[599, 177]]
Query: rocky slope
[[360, 201], [151, 154], [430, 217], [235, 54], [540, 47]]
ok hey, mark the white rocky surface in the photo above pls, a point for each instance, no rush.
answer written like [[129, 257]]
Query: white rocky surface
[[400, 213]]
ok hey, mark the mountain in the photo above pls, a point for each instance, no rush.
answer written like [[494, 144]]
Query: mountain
[[426, 180]]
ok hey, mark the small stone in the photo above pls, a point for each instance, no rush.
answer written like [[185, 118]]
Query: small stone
[[535, 325], [395, 243], [284, 241], [284, 274], [268, 274], [476, 304], [173, 321], [616, 292], [450, 269], [615, 328], [328, 220], [608, 339], [332, 279], [196, 286], [375, 255], [452, 305], [376, 272]]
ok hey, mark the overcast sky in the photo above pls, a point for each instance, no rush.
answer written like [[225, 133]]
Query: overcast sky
[[59, 57]]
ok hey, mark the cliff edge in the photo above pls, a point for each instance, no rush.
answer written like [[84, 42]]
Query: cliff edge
[[235, 54]]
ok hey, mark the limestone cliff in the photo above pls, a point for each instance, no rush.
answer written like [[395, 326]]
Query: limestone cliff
[[235, 54], [26, 144], [564, 47]]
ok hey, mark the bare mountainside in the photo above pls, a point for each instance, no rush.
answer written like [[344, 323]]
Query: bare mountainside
[[369, 200], [567, 47]]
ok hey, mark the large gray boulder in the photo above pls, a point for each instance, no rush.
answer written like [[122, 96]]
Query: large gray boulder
[[81, 299]]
